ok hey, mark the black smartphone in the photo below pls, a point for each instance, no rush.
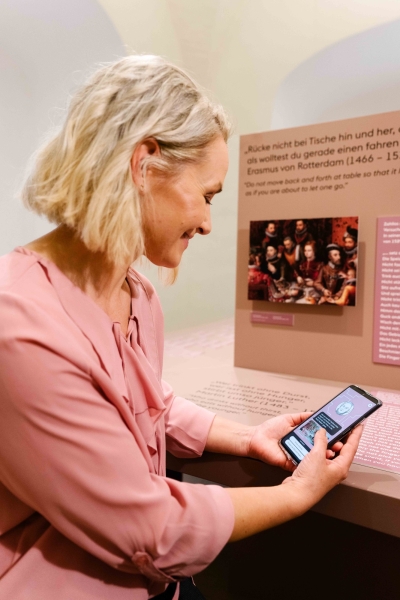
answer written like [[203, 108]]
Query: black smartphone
[[338, 417]]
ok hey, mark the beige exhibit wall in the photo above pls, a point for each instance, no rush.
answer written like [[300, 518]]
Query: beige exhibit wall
[[352, 168]]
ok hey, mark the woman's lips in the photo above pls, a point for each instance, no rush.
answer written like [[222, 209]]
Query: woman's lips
[[186, 237]]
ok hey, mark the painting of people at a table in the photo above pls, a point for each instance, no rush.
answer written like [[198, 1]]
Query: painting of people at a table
[[304, 261]]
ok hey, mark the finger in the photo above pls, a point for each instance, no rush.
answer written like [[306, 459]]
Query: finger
[[330, 454], [353, 438], [289, 466], [345, 438], [297, 418], [349, 449], [287, 479], [320, 442], [337, 447]]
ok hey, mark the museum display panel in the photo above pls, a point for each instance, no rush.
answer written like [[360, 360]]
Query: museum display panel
[[301, 184]]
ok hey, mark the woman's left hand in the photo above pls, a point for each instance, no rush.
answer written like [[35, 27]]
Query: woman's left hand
[[263, 443]]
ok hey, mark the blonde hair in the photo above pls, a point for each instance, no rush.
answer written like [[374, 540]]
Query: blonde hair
[[82, 176]]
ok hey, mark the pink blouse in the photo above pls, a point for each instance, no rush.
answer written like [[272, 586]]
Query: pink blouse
[[86, 512]]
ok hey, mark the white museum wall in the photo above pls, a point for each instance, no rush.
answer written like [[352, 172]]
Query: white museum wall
[[356, 77], [46, 49], [241, 51]]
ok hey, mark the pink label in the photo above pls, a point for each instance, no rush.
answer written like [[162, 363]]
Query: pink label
[[270, 318], [386, 343]]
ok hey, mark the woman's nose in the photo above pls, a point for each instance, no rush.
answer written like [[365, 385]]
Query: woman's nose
[[205, 227]]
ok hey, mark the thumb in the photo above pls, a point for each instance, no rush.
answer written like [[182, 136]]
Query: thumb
[[320, 441]]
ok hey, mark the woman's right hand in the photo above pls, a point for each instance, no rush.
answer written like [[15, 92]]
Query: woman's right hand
[[259, 508], [316, 474]]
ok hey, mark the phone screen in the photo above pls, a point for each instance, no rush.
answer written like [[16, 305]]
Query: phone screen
[[336, 417]]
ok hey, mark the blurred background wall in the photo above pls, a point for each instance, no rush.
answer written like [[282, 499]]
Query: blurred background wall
[[46, 49], [271, 63]]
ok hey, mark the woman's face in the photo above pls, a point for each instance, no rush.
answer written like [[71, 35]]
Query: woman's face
[[177, 207], [309, 252]]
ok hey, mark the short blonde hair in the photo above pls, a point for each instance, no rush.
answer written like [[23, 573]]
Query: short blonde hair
[[82, 176]]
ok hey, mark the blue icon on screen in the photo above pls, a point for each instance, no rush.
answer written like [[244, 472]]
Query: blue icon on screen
[[344, 408]]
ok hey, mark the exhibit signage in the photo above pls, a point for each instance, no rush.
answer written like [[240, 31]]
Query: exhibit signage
[[309, 199], [269, 318], [387, 292]]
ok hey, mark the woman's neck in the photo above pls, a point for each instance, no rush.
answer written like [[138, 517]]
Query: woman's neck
[[101, 280]]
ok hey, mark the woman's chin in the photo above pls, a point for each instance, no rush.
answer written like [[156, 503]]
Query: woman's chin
[[173, 264], [170, 262], [162, 257]]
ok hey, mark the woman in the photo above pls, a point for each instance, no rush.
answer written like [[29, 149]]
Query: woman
[[309, 269], [307, 274], [86, 509]]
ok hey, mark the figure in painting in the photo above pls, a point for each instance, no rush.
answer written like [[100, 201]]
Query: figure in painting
[[350, 239], [270, 235], [301, 235], [331, 276]]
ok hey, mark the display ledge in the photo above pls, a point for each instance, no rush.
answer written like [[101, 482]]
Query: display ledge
[[369, 497]]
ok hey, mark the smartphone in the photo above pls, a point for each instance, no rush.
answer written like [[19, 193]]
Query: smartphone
[[338, 417]]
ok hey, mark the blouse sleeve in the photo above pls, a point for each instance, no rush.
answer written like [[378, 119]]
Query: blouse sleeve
[[186, 424], [66, 452]]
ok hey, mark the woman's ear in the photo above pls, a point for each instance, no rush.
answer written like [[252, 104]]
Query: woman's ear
[[146, 149]]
